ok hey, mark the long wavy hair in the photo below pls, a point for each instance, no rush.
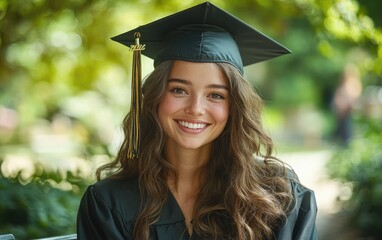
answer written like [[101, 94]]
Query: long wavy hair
[[247, 194]]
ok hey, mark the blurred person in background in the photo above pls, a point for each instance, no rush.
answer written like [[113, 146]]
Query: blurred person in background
[[204, 168], [345, 98]]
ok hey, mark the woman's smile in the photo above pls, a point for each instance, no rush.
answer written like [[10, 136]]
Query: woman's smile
[[192, 125]]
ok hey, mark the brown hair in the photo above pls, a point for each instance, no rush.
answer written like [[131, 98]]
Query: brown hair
[[244, 197]]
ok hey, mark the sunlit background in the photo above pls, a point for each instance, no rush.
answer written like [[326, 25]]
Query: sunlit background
[[65, 88]]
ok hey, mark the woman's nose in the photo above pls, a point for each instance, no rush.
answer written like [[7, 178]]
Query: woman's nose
[[196, 106]]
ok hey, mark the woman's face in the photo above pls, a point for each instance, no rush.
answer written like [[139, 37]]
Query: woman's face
[[195, 106]]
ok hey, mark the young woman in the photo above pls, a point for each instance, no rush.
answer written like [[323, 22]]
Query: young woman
[[205, 168]]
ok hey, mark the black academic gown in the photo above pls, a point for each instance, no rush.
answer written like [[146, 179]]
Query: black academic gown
[[109, 207]]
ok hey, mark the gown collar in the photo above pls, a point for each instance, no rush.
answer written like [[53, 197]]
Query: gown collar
[[171, 212]]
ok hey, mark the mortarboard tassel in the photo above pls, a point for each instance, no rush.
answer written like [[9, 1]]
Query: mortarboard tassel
[[136, 99]]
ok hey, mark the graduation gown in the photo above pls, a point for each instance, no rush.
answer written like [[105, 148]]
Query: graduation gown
[[109, 207]]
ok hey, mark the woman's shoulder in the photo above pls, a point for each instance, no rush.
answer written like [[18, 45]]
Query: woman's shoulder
[[120, 195], [276, 169], [302, 212], [110, 188], [297, 187], [301, 217], [114, 183]]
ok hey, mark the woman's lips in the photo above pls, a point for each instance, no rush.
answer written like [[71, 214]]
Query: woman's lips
[[192, 125]]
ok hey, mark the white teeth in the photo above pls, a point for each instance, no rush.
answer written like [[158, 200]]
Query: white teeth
[[192, 125]]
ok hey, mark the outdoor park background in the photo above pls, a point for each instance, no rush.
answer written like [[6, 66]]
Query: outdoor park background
[[64, 89]]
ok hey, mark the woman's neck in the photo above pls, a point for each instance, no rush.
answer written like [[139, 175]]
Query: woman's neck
[[185, 187], [189, 165]]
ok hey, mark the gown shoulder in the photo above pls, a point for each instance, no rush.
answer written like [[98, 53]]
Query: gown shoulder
[[301, 218], [103, 213]]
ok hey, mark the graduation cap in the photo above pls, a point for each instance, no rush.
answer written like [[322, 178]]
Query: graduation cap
[[203, 33]]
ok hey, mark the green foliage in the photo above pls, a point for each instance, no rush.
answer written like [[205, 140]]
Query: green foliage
[[360, 166], [294, 91], [40, 207]]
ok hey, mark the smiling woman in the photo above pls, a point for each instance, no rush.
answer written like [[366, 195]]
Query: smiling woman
[[204, 169], [194, 108]]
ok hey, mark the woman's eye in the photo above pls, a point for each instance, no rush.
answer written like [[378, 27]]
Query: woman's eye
[[178, 90], [217, 96]]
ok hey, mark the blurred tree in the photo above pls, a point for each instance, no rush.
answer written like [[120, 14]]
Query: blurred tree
[[372, 9]]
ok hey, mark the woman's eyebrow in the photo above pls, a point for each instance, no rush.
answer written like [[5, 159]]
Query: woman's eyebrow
[[220, 86], [177, 80], [186, 82]]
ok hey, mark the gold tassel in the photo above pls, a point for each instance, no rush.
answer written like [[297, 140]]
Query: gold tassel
[[136, 100]]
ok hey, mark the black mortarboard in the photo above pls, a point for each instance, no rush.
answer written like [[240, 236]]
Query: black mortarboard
[[204, 33]]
